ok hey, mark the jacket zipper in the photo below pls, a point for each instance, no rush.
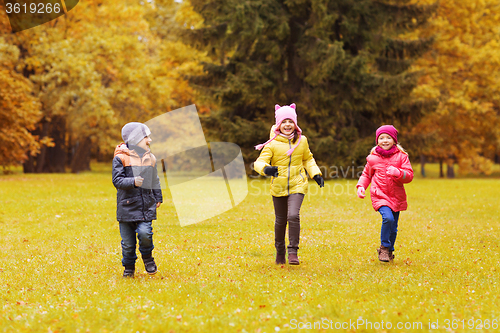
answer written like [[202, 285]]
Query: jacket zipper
[[142, 193], [289, 164]]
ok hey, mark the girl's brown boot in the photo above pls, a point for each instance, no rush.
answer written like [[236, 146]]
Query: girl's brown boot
[[383, 254], [293, 259], [280, 259]]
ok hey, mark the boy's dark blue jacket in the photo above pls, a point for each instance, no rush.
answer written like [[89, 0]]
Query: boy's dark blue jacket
[[135, 204]]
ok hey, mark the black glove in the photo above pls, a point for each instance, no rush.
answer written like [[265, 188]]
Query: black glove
[[271, 171], [319, 180]]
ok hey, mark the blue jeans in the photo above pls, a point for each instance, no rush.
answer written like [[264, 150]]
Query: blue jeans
[[389, 227], [144, 232]]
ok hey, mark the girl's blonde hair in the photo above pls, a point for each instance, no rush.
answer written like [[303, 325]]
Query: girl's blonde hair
[[401, 149]]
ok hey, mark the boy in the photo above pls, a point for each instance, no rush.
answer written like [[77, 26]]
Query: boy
[[138, 195]]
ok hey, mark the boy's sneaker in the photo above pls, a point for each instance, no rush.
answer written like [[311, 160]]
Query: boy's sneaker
[[150, 265], [129, 271], [383, 254]]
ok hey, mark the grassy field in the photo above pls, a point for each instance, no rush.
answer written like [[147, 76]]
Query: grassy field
[[60, 266]]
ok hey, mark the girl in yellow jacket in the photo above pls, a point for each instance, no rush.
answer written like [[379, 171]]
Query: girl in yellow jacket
[[285, 158]]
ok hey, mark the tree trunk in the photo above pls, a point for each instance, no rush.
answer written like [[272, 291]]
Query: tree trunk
[[81, 157], [29, 164], [422, 165], [49, 159], [55, 159], [40, 159], [450, 173], [441, 174]]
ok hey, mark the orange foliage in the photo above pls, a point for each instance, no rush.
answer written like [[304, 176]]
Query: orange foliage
[[460, 74]]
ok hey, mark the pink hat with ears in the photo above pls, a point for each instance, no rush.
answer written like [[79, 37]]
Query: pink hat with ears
[[281, 113]]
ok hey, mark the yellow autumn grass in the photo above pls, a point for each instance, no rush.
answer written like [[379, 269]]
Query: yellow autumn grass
[[60, 266]]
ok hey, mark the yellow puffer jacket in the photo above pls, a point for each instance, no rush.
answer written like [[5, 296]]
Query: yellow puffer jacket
[[291, 175]]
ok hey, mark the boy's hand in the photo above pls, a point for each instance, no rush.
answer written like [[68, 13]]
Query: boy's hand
[[158, 204], [392, 171], [138, 181], [361, 192]]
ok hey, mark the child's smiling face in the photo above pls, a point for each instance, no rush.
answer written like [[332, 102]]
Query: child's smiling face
[[287, 126], [385, 141], [144, 143]]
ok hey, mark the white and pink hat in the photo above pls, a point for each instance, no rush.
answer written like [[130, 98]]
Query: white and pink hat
[[281, 113]]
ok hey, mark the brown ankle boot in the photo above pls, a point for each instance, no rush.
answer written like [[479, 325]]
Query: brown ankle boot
[[383, 254], [391, 256], [280, 259], [293, 259]]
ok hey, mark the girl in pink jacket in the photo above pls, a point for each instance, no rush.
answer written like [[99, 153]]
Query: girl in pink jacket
[[388, 168]]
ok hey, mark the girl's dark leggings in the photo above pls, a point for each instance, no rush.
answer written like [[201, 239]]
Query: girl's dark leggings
[[286, 210]]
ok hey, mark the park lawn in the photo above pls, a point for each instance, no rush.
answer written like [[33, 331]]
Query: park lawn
[[60, 267]]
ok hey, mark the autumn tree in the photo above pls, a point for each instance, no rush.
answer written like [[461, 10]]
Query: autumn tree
[[177, 60], [93, 70], [460, 75], [341, 62], [19, 110], [74, 64]]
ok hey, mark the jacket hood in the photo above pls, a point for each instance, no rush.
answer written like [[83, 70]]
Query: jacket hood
[[121, 149], [271, 133]]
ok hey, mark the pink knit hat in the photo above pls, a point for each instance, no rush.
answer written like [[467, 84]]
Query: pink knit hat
[[387, 129], [281, 113]]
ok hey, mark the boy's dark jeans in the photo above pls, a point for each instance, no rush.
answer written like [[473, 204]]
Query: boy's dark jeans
[[287, 209], [144, 232]]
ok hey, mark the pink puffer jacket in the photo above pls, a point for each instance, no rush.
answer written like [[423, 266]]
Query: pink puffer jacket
[[387, 190]]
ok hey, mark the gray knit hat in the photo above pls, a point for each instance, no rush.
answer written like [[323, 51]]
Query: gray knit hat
[[134, 132]]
